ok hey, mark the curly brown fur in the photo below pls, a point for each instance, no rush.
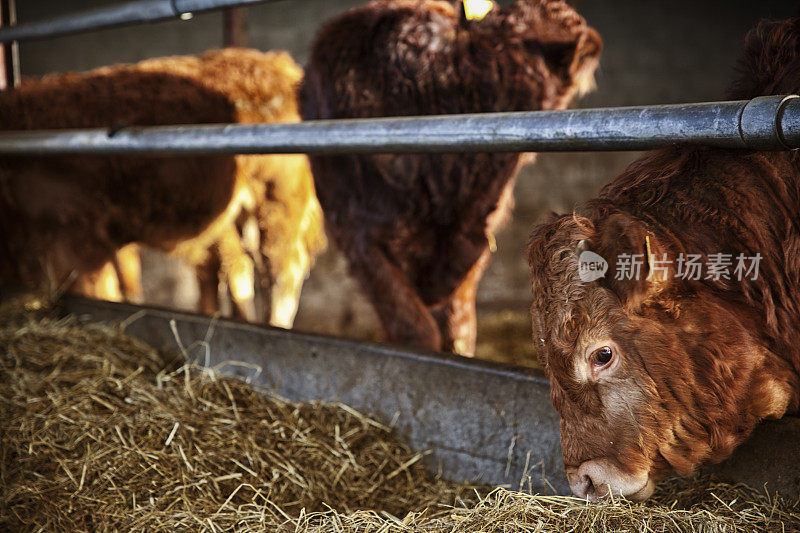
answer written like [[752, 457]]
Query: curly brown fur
[[66, 215], [415, 228], [701, 362]]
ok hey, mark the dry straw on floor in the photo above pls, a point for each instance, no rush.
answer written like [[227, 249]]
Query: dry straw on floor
[[99, 432]]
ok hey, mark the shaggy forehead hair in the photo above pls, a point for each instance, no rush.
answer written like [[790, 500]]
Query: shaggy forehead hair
[[558, 291], [553, 19]]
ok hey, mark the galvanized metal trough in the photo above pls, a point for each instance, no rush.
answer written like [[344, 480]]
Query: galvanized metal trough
[[482, 421]]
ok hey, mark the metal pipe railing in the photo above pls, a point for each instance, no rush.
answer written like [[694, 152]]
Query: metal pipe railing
[[137, 12], [763, 123]]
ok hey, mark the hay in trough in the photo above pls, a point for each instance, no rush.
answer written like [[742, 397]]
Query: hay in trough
[[101, 432]]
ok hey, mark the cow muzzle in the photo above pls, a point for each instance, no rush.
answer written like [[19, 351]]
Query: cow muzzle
[[599, 478]]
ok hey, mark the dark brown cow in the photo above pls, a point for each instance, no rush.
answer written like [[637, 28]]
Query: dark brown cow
[[416, 228], [662, 372]]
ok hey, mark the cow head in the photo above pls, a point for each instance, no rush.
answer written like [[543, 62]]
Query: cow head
[[556, 39], [541, 52], [649, 376]]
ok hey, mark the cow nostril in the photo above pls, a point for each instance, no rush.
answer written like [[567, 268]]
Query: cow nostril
[[590, 490]]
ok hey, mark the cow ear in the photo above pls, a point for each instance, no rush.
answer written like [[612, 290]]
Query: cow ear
[[575, 61], [550, 217], [585, 61], [632, 253], [473, 10]]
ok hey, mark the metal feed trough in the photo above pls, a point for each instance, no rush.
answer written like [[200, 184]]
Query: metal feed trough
[[482, 421]]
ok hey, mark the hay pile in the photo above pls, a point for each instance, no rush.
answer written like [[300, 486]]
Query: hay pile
[[100, 432], [698, 506]]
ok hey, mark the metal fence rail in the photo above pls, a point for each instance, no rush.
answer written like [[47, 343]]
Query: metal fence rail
[[764, 123], [136, 12]]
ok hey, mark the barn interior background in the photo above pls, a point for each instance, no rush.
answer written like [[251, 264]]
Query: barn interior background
[[655, 52]]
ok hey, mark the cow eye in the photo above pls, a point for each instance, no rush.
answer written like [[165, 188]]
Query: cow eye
[[603, 355]]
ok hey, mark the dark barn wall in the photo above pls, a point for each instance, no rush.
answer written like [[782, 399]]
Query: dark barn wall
[[655, 52], [284, 24]]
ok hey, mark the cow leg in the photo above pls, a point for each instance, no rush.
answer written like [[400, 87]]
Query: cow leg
[[457, 317], [287, 284], [289, 272], [285, 296], [251, 239], [402, 313], [208, 282], [101, 284], [239, 273], [128, 265]]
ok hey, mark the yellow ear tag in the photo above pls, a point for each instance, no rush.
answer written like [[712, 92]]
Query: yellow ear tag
[[649, 254], [477, 9]]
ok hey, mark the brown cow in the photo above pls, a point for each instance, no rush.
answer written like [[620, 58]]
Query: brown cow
[[242, 220], [661, 372], [416, 228]]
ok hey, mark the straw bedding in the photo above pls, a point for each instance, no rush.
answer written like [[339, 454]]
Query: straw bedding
[[100, 432]]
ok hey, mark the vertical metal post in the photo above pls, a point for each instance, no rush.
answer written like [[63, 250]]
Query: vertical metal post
[[3, 68], [9, 52], [235, 26]]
